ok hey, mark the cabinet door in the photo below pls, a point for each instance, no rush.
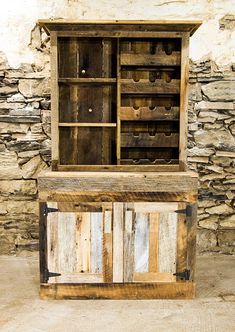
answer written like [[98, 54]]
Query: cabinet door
[[154, 244], [79, 242]]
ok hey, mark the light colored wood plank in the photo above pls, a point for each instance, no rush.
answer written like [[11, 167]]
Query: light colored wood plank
[[83, 241], [142, 242], [174, 290], [80, 278], [167, 242], [108, 247], [184, 98], [118, 242], [66, 242], [52, 241], [96, 242], [129, 252], [153, 241], [154, 207], [154, 277]]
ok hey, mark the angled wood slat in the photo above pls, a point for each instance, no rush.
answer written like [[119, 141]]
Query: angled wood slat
[[145, 59], [146, 140], [145, 113], [144, 86]]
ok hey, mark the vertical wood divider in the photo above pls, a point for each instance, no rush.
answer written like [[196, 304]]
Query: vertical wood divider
[[118, 148], [54, 102], [184, 98]]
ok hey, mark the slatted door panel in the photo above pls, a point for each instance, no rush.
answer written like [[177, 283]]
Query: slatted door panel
[[79, 244], [152, 250]]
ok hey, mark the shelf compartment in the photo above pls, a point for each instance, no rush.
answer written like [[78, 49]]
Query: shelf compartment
[[149, 114], [144, 140], [143, 86], [151, 153], [86, 57], [146, 59], [87, 146], [87, 124], [96, 104]]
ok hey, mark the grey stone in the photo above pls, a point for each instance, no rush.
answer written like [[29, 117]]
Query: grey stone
[[200, 152], [19, 119], [195, 93], [23, 145], [207, 105], [232, 128], [33, 167], [7, 90], [227, 22], [32, 87], [9, 168], [228, 222], [223, 209], [221, 139], [220, 91], [206, 239], [209, 223], [13, 128], [203, 160], [17, 98], [215, 168]]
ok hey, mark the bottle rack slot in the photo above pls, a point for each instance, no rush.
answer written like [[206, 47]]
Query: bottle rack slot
[[149, 162], [145, 140], [149, 113], [144, 86], [146, 59]]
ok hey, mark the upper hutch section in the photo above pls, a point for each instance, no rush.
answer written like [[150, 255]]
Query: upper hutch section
[[119, 93]]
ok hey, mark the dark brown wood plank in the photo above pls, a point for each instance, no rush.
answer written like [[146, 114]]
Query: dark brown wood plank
[[42, 241], [191, 241], [117, 291], [88, 80], [146, 87], [158, 59], [150, 114], [146, 140], [121, 168]]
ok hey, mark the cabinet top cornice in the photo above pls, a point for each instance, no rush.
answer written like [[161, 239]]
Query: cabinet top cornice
[[149, 25]]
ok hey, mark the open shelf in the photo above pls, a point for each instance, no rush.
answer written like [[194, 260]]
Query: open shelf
[[88, 124]]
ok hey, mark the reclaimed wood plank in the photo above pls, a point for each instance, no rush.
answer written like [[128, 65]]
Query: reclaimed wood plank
[[145, 140], [181, 258], [53, 241], [145, 113], [118, 242], [108, 247], [118, 291], [167, 242], [43, 242], [129, 245], [83, 240], [143, 86], [96, 220], [191, 241], [158, 59], [141, 242], [153, 242], [154, 277]]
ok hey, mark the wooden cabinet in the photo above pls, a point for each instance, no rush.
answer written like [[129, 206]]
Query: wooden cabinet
[[118, 209]]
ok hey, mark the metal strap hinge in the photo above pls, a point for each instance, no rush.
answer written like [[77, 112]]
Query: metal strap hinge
[[187, 211], [185, 275], [48, 274], [47, 210]]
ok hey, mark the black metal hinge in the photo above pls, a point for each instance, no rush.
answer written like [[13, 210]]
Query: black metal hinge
[[48, 274], [187, 211], [185, 275], [47, 210]]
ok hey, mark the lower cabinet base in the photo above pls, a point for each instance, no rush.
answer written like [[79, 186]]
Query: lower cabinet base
[[119, 291]]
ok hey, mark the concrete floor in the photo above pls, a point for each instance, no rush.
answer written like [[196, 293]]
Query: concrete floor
[[213, 310]]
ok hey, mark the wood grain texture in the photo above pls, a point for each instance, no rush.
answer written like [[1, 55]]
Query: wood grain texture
[[42, 242], [167, 242], [108, 247], [144, 140], [153, 277], [153, 241], [143, 86], [129, 245], [145, 113], [117, 182], [191, 241], [83, 240], [88, 197], [96, 220], [146, 59], [53, 242], [118, 242], [141, 242], [118, 291], [181, 260]]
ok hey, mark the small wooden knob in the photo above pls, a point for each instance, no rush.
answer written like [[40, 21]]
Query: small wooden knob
[[83, 71], [90, 110]]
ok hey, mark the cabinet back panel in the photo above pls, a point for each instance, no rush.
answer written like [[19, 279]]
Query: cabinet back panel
[[83, 103], [86, 146]]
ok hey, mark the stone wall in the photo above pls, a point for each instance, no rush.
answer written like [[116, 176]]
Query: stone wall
[[25, 110]]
